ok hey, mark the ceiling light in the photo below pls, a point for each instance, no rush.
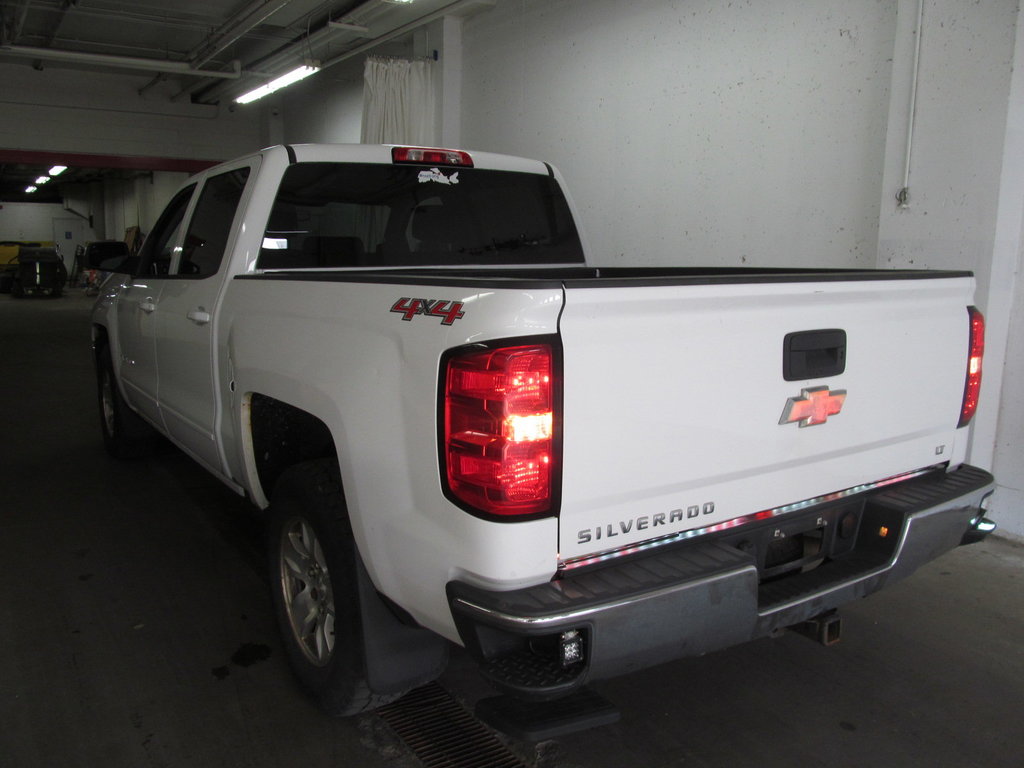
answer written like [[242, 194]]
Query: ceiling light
[[398, 2], [30, 190], [284, 80], [57, 170], [42, 179]]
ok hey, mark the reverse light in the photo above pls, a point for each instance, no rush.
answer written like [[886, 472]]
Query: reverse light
[[498, 450], [425, 156], [972, 385], [570, 648]]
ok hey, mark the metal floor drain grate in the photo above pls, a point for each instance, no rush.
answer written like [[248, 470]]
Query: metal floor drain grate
[[442, 734]]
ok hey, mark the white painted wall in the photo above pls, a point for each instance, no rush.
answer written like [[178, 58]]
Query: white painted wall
[[64, 110], [58, 110], [137, 202], [690, 131], [1006, 295], [29, 221], [699, 132], [695, 131], [328, 107], [966, 195], [45, 222]]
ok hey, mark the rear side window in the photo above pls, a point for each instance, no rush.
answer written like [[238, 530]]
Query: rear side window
[[210, 227], [364, 215]]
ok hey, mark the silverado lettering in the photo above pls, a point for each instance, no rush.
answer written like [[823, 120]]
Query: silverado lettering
[[643, 522]]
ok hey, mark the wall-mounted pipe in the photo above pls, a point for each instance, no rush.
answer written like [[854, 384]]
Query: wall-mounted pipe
[[903, 196]]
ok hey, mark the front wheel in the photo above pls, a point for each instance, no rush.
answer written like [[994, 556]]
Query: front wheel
[[314, 582], [125, 434]]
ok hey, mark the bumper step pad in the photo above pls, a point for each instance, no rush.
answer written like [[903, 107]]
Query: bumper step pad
[[540, 721]]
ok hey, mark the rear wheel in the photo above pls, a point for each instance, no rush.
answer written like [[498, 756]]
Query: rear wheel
[[125, 434], [314, 582]]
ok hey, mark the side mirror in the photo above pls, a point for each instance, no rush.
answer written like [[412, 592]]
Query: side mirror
[[98, 254], [124, 265]]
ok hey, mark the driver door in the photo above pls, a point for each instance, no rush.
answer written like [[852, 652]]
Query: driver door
[[137, 302]]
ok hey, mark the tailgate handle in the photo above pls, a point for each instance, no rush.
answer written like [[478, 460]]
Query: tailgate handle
[[813, 354]]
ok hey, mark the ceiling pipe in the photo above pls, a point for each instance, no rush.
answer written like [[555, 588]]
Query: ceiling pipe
[[299, 50], [122, 62], [228, 32], [233, 29], [21, 19], [291, 54], [152, 84]]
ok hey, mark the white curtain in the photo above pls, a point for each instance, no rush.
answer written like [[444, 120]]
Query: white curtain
[[399, 98]]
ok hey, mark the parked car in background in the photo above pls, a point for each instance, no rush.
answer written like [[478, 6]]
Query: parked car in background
[[40, 271], [9, 250]]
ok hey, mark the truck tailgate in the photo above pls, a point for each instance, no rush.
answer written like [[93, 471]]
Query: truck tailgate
[[674, 393]]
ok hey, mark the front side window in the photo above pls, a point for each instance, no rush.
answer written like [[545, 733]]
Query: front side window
[[366, 215], [210, 227], [155, 256]]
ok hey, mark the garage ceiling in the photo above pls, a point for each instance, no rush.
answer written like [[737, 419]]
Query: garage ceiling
[[200, 51]]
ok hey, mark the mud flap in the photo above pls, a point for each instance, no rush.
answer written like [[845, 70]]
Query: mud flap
[[398, 656]]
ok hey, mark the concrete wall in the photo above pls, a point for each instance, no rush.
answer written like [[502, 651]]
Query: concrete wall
[[698, 132], [690, 132], [29, 221], [966, 194], [328, 107], [695, 132], [58, 109], [64, 110], [1006, 296], [137, 202]]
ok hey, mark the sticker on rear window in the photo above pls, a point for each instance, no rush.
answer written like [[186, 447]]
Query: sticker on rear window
[[437, 175]]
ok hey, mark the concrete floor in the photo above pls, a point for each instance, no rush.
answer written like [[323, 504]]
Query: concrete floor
[[136, 628]]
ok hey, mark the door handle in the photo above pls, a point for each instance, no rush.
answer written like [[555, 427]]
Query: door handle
[[199, 316], [814, 354], [147, 305]]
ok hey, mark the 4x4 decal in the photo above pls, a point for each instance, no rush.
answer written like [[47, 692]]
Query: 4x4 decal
[[449, 311]]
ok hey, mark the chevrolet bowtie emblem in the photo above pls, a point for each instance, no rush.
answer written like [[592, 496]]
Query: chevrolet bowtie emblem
[[813, 407]]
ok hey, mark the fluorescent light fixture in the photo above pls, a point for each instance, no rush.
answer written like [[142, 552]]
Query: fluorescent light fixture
[[57, 170], [30, 190], [294, 76], [398, 2], [42, 179]]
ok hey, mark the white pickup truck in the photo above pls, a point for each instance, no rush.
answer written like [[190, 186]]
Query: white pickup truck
[[464, 433]]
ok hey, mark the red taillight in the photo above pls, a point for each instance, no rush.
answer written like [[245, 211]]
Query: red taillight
[[424, 156], [499, 425], [972, 388]]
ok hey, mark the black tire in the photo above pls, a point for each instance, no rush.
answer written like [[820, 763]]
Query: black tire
[[125, 434], [314, 583], [16, 290]]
